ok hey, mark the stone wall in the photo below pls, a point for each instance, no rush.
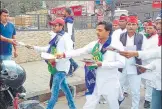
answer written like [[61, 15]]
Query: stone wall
[[41, 38]]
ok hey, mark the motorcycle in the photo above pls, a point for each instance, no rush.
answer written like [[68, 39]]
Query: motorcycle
[[12, 77]]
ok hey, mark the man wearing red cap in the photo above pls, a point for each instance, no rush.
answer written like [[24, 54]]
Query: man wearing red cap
[[150, 43], [115, 24], [116, 36], [155, 65], [61, 42], [151, 29], [132, 41], [122, 25]]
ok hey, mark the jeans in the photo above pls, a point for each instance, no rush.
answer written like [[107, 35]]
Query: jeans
[[156, 99], [73, 64], [5, 57], [59, 81]]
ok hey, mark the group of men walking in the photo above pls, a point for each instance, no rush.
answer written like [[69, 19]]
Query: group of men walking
[[117, 55]]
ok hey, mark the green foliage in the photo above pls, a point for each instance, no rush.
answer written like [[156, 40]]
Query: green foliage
[[17, 7]]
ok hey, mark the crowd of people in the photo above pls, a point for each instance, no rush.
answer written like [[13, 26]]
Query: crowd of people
[[125, 56]]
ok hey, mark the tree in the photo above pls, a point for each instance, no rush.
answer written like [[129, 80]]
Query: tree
[[17, 7], [29, 5]]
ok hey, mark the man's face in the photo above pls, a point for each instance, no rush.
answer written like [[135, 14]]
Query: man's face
[[150, 29], [131, 27], [64, 13], [4, 17], [158, 26], [101, 32], [122, 24], [144, 25], [115, 27], [57, 28]]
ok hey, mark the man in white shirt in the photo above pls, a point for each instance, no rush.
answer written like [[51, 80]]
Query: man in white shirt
[[132, 41], [61, 42], [69, 28], [115, 24], [107, 62], [116, 36], [150, 42], [122, 25], [156, 64], [149, 54]]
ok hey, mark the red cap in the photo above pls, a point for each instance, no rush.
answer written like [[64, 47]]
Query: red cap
[[133, 17], [123, 18], [116, 22], [57, 21], [150, 24], [132, 20]]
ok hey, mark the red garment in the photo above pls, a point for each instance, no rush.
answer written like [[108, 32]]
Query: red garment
[[132, 20], [116, 22], [53, 63], [57, 21], [133, 17], [160, 41], [150, 24], [123, 18]]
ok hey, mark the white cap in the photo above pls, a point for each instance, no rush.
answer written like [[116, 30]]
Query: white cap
[[159, 16]]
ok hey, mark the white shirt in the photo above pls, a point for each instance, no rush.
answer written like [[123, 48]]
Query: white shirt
[[130, 41], [149, 44], [130, 68], [116, 34], [64, 44], [153, 54], [116, 38], [156, 78], [150, 54], [51, 33], [70, 28], [107, 74]]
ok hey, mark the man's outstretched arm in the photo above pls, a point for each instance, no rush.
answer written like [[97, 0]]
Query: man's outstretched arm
[[12, 41], [155, 53]]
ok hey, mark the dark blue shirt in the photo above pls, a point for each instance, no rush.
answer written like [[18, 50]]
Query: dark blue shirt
[[7, 31]]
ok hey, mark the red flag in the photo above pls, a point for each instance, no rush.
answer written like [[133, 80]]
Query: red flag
[[156, 4]]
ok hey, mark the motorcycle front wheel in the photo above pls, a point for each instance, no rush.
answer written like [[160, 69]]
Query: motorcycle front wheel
[[3, 105]]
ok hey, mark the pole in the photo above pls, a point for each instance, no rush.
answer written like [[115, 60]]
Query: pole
[[0, 4], [112, 10]]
